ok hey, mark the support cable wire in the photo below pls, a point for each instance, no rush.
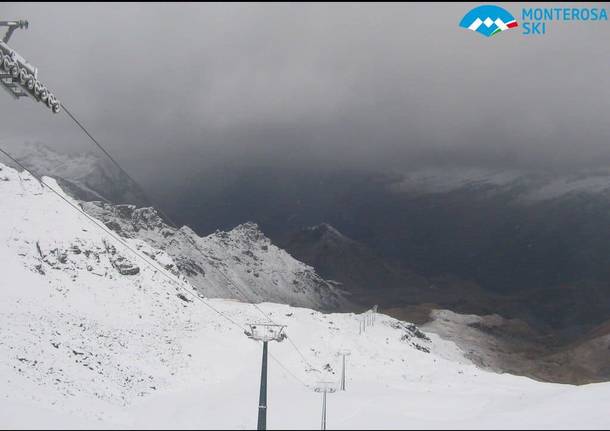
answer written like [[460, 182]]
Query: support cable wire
[[292, 343], [150, 201], [151, 264], [120, 240], [237, 289], [258, 308], [170, 221], [114, 161], [264, 314], [288, 371], [299, 352]]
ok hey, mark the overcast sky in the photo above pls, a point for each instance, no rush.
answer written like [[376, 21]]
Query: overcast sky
[[374, 85]]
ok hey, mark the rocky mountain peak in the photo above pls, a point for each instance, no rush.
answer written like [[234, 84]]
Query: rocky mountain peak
[[128, 220], [240, 264], [248, 232]]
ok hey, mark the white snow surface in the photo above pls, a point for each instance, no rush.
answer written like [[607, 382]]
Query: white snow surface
[[82, 345]]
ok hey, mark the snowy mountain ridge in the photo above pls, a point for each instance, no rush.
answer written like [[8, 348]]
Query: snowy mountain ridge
[[87, 340], [240, 264]]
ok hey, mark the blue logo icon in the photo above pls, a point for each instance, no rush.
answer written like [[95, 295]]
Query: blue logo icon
[[488, 20]]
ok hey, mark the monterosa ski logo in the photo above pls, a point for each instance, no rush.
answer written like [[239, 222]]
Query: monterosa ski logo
[[488, 20]]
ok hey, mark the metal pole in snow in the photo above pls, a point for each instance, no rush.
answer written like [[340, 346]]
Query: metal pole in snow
[[264, 332], [344, 353], [262, 400], [343, 374], [325, 387], [324, 410]]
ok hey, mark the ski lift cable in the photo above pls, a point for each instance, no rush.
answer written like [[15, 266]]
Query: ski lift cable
[[259, 309], [238, 290], [288, 371], [263, 313], [150, 201], [147, 261], [120, 240], [55, 106], [293, 344], [290, 340], [118, 165], [268, 317], [171, 222]]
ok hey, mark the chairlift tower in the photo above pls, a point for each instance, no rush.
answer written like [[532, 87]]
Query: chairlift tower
[[325, 388], [265, 332], [343, 353], [362, 324]]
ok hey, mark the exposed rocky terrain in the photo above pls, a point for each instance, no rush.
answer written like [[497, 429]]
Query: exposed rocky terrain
[[455, 226], [101, 331], [241, 264]]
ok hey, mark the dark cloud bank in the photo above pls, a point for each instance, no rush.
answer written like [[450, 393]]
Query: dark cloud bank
[[360, 85]]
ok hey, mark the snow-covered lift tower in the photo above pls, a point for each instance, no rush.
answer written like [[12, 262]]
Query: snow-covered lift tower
[[372, 313], [325, 388], [17, 76], [265, 332], [343, 353]]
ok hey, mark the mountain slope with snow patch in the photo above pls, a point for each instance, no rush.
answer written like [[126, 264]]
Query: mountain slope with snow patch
[[92, 336], [241, 264]]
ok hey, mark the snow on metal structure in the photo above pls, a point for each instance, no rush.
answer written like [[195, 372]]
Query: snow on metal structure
[[325, 388], [343, 353], [17, 76], [265, 332]]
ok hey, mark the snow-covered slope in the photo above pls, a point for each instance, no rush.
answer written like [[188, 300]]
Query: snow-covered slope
[[91, 336], [241, 264]]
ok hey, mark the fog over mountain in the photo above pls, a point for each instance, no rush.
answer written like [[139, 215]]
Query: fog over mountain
[[204, 85], [447, 152], [292, 115]]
